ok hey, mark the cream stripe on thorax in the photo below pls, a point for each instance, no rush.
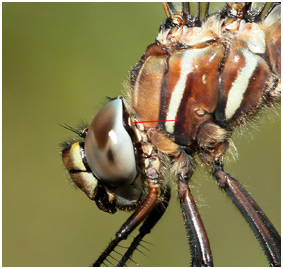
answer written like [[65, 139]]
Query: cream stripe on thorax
[[178, 92], [136, 87], [240, 85]]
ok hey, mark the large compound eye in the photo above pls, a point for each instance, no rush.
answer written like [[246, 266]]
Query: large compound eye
[[108, 147]]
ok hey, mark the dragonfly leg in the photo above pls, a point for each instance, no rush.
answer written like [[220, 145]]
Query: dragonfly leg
[[198, 239], [264, 230], [154, 216]]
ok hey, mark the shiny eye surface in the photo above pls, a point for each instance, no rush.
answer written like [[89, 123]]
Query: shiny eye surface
[[108, 147]]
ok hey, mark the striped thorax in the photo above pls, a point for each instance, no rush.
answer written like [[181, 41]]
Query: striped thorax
[[205, 74], [222, 71]]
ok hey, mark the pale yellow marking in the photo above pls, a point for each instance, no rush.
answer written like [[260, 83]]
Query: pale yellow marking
[[90, 183], [137, 82], [240, 84], [177, 94], [76, 158], [86, 179]]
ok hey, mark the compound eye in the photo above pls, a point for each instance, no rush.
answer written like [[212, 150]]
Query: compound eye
[[108, 147]]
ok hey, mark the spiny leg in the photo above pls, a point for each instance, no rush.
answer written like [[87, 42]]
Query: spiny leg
[[199, 242], [213, 143], [264, 230], [143, 210], [154, 216]]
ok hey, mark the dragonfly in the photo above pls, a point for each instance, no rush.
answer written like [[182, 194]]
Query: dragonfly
[[207, 74]]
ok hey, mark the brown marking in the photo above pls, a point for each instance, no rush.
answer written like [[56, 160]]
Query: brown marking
[[155, 50], [273, 40], [201, 94], [234, 62], [162, 142], [252, 98], [170, 80], [147, 90], [152, 50], [104, 123]]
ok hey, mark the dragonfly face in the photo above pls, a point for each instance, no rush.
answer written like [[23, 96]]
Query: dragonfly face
[[205, 75], [104, 165]]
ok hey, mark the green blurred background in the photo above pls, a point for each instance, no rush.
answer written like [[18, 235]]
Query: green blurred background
[[60, 60]]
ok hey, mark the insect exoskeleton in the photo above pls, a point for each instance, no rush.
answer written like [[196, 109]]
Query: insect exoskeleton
[[205, 74]]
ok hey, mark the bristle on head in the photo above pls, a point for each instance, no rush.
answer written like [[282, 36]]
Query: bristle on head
[[76, 131]]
